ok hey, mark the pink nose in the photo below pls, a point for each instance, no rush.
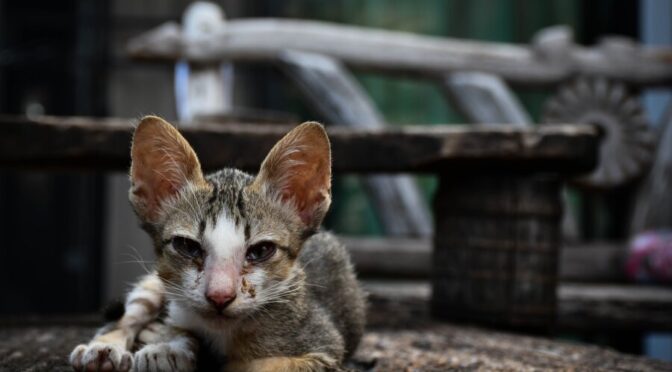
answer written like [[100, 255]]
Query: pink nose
[[221, 299]]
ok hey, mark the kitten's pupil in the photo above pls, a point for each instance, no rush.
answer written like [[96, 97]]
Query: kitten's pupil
[[260, 252], [187, 246]]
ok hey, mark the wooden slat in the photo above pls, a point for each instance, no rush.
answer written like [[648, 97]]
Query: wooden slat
[[593, 262], [552, 58], [411, 258], [614, 307], [103, 144], [390, 257], [581, 307], [484, 98], [653, 203]]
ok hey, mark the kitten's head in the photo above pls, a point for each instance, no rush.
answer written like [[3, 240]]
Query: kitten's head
[[226, 243]]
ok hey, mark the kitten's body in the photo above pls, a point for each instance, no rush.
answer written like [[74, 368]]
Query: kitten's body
[[298, 307]]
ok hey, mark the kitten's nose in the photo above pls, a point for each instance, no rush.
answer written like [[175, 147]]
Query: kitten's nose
[[220, 299], [222, 280]]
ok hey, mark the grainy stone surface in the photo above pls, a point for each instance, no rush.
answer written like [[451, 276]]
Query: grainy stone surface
[[443, 347], [423, 347], [39, 348], [401, 337]]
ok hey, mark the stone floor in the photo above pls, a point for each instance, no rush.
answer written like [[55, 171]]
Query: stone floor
[[444, 347], [401, 337], [432, 347]]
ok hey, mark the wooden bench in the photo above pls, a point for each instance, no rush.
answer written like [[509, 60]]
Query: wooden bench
[[102, 144], [497, 209]]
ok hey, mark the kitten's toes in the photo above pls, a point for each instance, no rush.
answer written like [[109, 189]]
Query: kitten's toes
[[76, 357], [101, 357], [164, 357]]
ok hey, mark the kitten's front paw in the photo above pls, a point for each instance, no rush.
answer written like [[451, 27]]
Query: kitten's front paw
[[102, 357], [164, 357]]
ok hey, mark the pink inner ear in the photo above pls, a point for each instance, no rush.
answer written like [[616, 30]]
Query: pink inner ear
[[165, 190], [307, 189], [307, 213], [299, 168], [151, 189], [162, 163]]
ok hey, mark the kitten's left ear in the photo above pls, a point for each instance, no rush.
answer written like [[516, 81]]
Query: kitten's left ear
[[162, 163], [297, 170]]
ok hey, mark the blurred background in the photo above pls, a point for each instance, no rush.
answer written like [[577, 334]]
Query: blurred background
[[70, 241]]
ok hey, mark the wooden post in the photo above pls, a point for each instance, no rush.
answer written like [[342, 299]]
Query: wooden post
[[202, 89], [496, 248], [653, 209]]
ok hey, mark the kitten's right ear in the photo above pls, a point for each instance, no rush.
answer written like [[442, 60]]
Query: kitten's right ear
[[297, 171], [162, 163]]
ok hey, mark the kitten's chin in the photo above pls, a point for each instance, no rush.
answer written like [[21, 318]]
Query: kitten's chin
[[219, 317], [220, 321], [193, 316]]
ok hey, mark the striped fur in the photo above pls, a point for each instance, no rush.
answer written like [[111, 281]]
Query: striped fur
[[299, 309], [110, 348]]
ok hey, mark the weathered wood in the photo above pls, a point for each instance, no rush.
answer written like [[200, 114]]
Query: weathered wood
[[581, 307], [103, 144], [390, 257], [484, 98], [412, 258], [337, 95], [653, 209], [205, 89], [331, 90], [401, 52], [601, 262], [241, 115], [615, 307]]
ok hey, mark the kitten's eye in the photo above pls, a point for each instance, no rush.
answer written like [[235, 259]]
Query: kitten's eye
[[187, 246], [260, 252]]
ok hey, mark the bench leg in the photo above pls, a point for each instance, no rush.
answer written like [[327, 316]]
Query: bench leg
[[495, 258]]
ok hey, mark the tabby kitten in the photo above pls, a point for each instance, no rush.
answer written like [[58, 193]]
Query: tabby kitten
[[240, 266]]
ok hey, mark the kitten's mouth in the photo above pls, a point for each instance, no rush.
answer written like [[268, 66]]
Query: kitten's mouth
[[223, 315], [215, 314]]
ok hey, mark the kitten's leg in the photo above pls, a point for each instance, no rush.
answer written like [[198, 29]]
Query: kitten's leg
[[312, 362], [166, 349], [110, 348]]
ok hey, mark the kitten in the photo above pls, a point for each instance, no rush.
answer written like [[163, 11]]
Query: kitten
[[240, 263]]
